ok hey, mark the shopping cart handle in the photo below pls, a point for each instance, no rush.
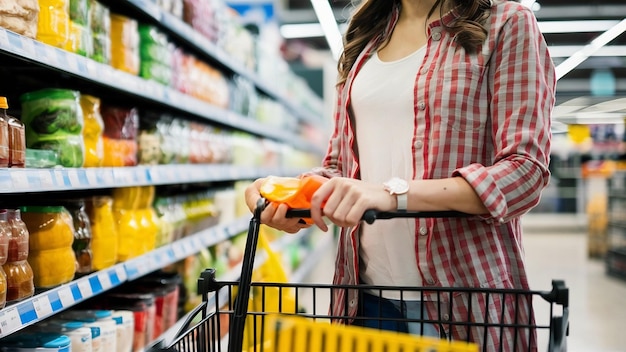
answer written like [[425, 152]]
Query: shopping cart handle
[[372, 215]]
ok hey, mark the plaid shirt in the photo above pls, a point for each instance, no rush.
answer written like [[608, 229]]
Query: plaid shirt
[[484, 117]]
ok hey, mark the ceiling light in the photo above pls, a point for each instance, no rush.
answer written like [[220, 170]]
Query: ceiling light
[[588, 50], [327, 20], [576, 26]]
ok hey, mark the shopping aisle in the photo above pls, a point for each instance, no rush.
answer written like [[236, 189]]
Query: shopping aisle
[[556, 247]]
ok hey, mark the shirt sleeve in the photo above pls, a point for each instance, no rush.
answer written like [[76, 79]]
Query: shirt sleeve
[[332, 163], [521, 91]]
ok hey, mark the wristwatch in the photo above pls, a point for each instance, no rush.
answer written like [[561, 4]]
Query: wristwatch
[[398, 187]]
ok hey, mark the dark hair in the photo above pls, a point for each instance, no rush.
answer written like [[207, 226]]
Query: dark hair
[[372, 16]]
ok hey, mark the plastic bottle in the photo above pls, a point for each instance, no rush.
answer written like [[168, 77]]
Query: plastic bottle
[[125, 325], [79, 334], [82, 236], [51, 235], [19, 273], [17, 143], [5, 236], [104, 235], [4, 133], [97, 319]]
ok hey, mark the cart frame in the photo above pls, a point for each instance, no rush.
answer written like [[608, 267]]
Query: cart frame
[[230, 299]]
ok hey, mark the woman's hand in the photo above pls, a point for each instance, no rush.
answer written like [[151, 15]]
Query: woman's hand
[[346, 200], [274, 215]]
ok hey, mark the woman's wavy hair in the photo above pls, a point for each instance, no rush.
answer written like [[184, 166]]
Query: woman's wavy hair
[[371, 17]]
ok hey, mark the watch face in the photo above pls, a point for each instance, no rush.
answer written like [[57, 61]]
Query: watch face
[[396, 186]]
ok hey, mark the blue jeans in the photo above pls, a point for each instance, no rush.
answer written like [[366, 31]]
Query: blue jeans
[[391, 314]]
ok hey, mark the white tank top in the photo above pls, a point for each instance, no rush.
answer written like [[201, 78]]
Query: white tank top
[[383, 103]]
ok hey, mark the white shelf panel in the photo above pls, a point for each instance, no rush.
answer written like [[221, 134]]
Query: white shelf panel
[[66, 179], [46, 304], [85, 68], [32, 310], [184, 31]]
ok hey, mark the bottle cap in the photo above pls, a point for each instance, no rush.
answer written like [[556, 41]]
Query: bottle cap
[[3, 103]]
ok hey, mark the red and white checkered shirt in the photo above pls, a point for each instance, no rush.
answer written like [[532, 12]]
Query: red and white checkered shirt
[[484, 117]]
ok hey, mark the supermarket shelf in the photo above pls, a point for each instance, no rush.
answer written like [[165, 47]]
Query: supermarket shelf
[[191, 37], [87, 69], [41, 306], [312, 259], [65, 179]]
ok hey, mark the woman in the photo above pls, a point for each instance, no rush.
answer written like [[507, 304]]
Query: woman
[[441, 105]]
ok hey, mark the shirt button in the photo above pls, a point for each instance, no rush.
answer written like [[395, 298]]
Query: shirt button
[[430, 281], [423, 231], [421, 105], [446, 317], [352, 303], [424, 70], [419, 144], [436, 36]]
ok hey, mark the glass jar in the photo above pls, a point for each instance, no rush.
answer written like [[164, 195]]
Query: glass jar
[[18, 272], [104, 235], [82, 236], [4, 133], [51, 236]]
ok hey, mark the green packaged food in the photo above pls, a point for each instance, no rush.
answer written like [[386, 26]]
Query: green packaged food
[[101, 48], [53, 120], [156, 71], [100, 17], [79, 11]]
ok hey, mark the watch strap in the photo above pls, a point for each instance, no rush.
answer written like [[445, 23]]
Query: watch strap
[[402, 201]]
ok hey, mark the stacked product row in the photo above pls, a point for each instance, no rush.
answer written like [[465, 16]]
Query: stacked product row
[[70, 129], [46, 245], [124, 320], [90, 29]]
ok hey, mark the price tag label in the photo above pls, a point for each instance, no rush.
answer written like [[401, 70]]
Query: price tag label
[[58, 177], [73, 176], [92, 69], [85, 288], [9, 321], [121, 273], [92, 177], [42, 305], [45, 179], [107, 176], [19, 179], [105, 280], [28, 46], [51, 55], [71, 62], [4, 39], [154, 174], [179, 251], [66, 297]]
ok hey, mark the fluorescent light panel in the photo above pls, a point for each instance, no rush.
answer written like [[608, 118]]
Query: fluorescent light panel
[[326, 18]]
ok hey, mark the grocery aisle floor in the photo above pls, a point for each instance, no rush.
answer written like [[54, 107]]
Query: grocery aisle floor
[[556, 248]]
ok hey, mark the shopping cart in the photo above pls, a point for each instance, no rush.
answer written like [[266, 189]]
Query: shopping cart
[[225, 322]]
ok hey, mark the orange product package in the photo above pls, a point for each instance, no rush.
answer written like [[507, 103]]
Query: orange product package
[[294, 192]]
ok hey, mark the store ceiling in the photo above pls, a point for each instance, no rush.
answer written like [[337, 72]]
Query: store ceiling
[[564, 36]]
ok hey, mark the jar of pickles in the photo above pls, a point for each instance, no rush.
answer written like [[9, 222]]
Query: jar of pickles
[[18, 271], [51, 235]]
